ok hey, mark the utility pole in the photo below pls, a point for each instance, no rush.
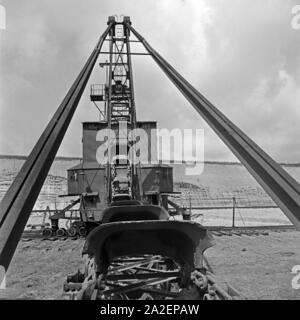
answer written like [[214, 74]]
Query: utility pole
[[233, 212]]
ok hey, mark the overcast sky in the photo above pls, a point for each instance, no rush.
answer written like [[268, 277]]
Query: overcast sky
[[243, 56]]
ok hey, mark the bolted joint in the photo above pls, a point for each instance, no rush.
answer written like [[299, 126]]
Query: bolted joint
[[127, 20], [111, 19]]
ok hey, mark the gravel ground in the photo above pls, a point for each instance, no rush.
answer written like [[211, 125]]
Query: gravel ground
[[258, 266], [39, 268]]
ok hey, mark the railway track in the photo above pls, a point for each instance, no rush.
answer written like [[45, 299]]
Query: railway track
[[249, 231], [218, 231]]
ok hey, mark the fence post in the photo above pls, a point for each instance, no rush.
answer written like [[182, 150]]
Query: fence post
[[233, 212]]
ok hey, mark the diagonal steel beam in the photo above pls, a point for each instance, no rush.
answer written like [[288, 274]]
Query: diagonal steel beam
[[281, 187], [19, 200]]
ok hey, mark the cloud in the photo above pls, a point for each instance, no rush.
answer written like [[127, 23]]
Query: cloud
[[242, 55], [2, 17]]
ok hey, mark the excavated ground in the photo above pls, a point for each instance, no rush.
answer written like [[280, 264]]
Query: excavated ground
[[259, 266]]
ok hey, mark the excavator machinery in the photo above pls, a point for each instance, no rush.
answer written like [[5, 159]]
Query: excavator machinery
[[134, 246]]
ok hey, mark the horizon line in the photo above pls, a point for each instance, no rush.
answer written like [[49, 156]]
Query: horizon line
[[66, 158]]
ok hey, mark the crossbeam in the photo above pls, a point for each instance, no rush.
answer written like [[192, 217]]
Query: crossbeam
[[132, 53]]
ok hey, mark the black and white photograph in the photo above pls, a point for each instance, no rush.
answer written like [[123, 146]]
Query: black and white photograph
[[149, 150]]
